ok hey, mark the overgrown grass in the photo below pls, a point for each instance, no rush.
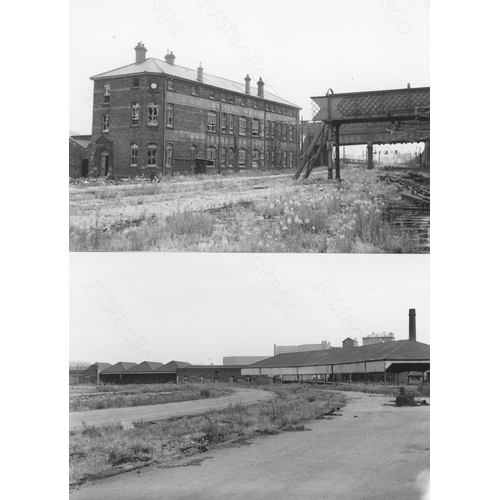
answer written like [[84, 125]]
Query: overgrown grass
[[315, 215], [95, 452], [121, 399]]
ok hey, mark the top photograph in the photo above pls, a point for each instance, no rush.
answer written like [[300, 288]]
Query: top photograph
[[204, 126]]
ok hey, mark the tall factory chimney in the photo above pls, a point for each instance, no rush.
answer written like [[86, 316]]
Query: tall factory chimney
[[413, 329]]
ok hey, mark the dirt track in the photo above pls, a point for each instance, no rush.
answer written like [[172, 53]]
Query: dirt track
[[371, 452], [168, 410]]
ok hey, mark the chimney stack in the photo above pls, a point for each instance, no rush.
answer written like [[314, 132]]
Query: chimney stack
[[260, 87], [170, 58], [413, 330], [247, 84], [140, 53], [200, 73]]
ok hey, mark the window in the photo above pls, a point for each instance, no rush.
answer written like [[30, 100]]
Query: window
[[135, 82], [291, 112], [290, 159], [211, 156], [255, 158], [290, 133], [135, 113], [170, 84], [268, 128], [185, 379], [272, 130], [268, 106], [230, 119], [242, 157], [152, 114], [224, 123], [256, 104], [106, 94], [230, 158], [211, 94], [255, 127], [169, 154], [278, 130], [134, 154], [152, 155], [230, 99], [195, 90], [223, 156], [284, 158], [212, 121], [243, 101], [170, 115], [105, 123], [268, 157], [243, 125], [224, 97], [194, 151], [273, 159]]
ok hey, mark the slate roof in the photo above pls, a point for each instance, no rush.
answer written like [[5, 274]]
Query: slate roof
[[398, 350], [158, 66], [120, 367], [172, 366], [145, 367], [101, 366]]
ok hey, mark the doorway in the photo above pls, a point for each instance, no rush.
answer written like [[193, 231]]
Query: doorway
[[105, 163], [85, 167]]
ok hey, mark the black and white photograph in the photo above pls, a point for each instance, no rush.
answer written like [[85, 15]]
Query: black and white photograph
[[249, 250], [249, 376], [216, 126]]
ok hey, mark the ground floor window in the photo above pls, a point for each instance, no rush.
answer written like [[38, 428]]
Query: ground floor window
[[255, 158], [211, 156], [169, 152], [242, 157], [223, 156], [152, 155], [230, 158], [134, 154]]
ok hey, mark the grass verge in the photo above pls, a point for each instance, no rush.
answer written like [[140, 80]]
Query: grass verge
[[385, 389], [144, 395], [100, 452]]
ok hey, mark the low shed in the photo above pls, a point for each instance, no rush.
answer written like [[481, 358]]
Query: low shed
[[115, 374]]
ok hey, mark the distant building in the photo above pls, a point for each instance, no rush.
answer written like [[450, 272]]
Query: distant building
[[93, 372], [242, 360], [348, 342], [283, 349], [378, 338]]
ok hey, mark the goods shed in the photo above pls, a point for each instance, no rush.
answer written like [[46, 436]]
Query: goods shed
[[115, 374], [371, 363], [143, 373]]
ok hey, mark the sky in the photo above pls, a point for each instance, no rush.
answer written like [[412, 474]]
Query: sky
[[202, 307], [300, 48]]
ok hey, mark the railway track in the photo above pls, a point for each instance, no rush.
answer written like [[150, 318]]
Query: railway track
[[412, 213]]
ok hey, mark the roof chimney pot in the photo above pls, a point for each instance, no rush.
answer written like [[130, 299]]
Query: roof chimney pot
[[140, 53], [200, 74], [170, 58], [260, 87], [247, 84]]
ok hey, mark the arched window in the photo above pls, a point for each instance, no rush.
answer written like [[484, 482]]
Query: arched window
[[152, 154], [268, 128], [105, 123], [242, 157], [223, 156], [255, 158], [230, 158], [152, 114], [134, 154], [243, 126], [194, 151], [170, 115], [135, 113], [255, 127], [106, 94], [169, 149]]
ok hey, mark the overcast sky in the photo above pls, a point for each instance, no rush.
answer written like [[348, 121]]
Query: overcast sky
[[202, 307], [301, 48]]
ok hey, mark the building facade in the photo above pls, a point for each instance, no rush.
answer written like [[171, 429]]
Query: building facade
[[154, 115], [79, 151], [283, 349]]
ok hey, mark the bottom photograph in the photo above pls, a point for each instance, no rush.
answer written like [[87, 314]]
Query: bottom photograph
[[256, 376]]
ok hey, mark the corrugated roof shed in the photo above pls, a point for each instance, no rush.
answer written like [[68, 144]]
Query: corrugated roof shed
[[172, 366], [119, 367], [152, 65], [390, 351]]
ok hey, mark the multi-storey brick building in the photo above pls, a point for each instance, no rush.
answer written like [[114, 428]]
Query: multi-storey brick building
[[154, 114]]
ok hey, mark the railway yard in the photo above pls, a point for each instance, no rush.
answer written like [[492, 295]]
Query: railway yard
[[386, 210]]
